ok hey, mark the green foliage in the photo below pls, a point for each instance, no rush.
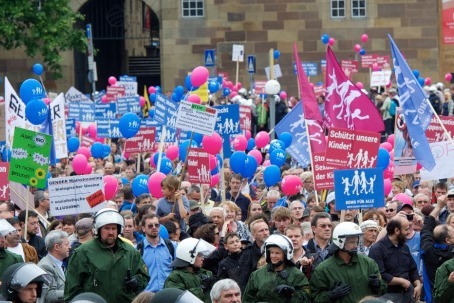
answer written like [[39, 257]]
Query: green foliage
[[43, 27]]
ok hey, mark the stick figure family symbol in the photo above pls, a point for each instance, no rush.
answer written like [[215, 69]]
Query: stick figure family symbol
[[359, 184]]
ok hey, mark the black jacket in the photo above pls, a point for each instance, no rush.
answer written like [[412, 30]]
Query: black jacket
[[248, 263], [230, 267]]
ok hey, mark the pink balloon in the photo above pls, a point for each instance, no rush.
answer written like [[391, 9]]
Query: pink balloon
[[214, 180], [291, 185], [404, 198], [199, 75], [88, 169], [77, 127], [92, 131], [364, 38], [391, 156], [84, 130], [448, 77], [283, 95], [154, 184], [262, 139], [388, 173], [212, 144], [110, 187], [360, 85], [142, 101], [235, 88], [390, 139], [331, 41], [126, 155], [47, 100], [152, 90], [85, 151], [266, 163], [418, 166], [172, 152], [104, 99], [240, 143], [233, 94], [311, 85], [224, 83], [387, 186], [152, 163], [375, 67], [427, 81], [112, 80], [230, 84], [194, 98], [247, 134], [357, 47], [213, 161], [79, 164], [239, 85], [387, 146], [257, 155]]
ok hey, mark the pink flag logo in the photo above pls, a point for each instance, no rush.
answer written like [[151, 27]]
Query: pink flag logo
[[346, 105]]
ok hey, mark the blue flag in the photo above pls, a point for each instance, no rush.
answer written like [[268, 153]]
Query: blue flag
[[416, 108]]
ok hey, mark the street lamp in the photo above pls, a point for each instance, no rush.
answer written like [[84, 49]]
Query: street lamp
[[272, 87]]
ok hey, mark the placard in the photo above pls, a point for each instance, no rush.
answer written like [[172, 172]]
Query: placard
[[197, 118], [142, 141], [199, 166], [4, 184]]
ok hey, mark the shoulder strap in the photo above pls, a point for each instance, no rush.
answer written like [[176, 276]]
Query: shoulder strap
[[140, 247], [170, 247]]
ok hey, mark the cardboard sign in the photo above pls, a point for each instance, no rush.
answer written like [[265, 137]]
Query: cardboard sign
[[20, 195], [30, 158], [245, 117], [350, 65], [4, 184], [68, 195], [142, 141], [359, 188], [130, 86], [165, 111], [128, 104], [310, 68], [199, 166], [324, 174], [108, 128], [259, 87], [114, 92], [74, 95], [238, 53], [277, 72], [82, 111], [57, 113], [228, 119], [444, 156], [352, 149], [380, 78], [197, 118], [95, 198]]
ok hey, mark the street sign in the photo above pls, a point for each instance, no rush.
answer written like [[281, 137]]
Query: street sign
[[251, 64], [210, 59]]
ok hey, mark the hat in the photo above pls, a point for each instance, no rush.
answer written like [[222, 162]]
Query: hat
[[193, 205], [88, 297], [405, 205], [451, 192], [5, 228], [306, 212], [392, 91], [331, 197], [84, 226], [433, 88], [197, 220], [416, 183], [368, 224]]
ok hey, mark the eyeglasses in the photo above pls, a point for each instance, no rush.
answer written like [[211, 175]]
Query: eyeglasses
[[297, 208], [325, 225], [423, 201], [153, 225], [389, 210]]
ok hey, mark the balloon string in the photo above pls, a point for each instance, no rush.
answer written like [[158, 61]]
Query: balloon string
[[42, 83]]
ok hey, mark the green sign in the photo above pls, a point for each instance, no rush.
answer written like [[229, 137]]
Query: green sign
[[30, 157]]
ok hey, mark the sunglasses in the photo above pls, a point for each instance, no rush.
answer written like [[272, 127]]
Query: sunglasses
[[389, 210], [325, 225], [153, 225]]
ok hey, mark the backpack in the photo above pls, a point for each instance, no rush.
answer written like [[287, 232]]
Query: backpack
[[167, 242], [392, 107]]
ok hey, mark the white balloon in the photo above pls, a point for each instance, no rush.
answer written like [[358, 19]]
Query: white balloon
[[272, 87]]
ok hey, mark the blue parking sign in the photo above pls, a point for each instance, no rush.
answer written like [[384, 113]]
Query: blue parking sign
[[210, 59]]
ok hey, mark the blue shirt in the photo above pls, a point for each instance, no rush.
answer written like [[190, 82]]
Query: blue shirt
[[158, 259]]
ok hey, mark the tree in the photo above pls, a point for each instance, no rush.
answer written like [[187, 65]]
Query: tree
[[42, 27]]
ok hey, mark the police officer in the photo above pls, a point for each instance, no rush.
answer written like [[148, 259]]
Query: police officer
[[346, 276], [106, 265], [280, 280]]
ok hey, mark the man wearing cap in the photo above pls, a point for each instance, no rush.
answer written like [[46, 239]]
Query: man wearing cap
[[84, 232], [448, 208], [331, 201], [6, 258], [370, 232], [434, 99]]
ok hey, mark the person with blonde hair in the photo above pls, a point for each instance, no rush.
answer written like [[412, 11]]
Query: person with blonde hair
[[231, 225]]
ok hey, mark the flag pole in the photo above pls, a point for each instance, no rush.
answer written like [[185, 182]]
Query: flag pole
[[441, 123]]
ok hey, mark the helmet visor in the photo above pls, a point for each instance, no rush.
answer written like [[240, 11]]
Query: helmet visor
[[28, 273], [188, 297]]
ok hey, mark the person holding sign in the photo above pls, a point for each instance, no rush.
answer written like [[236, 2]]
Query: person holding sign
[[174, 204]]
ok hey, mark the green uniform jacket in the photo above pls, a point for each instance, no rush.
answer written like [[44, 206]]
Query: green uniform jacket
[[7, 259], [182, 279], [95, 268], [262, 282], [356, 274], [444, 290]]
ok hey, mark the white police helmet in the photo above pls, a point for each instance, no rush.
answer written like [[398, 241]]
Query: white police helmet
[[109, 216], [281, 241], [344, 230]]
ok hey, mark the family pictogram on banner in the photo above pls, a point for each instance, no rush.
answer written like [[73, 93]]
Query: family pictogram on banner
[[359, 184]]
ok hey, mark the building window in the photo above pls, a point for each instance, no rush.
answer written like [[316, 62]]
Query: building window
[[358, 8], [192, 8], [337, 8]]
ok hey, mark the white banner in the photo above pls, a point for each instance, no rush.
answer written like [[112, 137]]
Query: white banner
[[380, 78], [73, 95], [197, 118], [444, 157], [57, 113]]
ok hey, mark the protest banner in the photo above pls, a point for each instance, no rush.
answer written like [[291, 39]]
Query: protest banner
[[108, 128], [142, 141], [165, 110], [245, 117], [57, 114], [106, 110], [359, 188], [197, 118], [114, 92], [129, 84], [352, 149], [435, 132], [30, 157], [74, 95], [199, 166], [323, 174], [4, 185], [444, 156], [68, 195], [82, 111], [128, 104], [380, 78], [227, 125]]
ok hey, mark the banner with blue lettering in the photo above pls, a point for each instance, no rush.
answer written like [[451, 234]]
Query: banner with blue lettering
[[170, 135], [108, 128], [293, 123], [359, 188], [97, 98]]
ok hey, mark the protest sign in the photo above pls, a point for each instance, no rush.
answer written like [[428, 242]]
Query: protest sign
[[404, 158], [57, 114], [114, 92], [30, 157], [130, 86], [20, 195], [82, 111], [128, 105], [73, 95], [199, 166], [352, 149], [4, 185], [444, 156], [108, 128], [359, 188], [323, 173], [245, 117], [68, 195], [142, 141], [380, 78], [227, 125], [197, 118], [106, 110], [165, 111], [435, 132]]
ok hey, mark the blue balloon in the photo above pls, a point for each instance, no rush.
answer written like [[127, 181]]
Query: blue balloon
[[163, 233], [38, 69], [156, 157], [176, 97], [97, 150], [282, 202], [197, 138], [237, 161], [277, 54], [416, 73], [6, 154], [152, 98], [286, 137], [31, 89], [271, 175], [213, 86], [48, 176], [382, 158], [325, 38], [73, 144], [139, 185], [214, 171], [36, 111], [129, 125], [250, 167], [276, 144], [151, 113], [188, 84], [226, 92], [105, 150], [158, 89], [362, 52], [166, 166], [421, 81], [179, 90], [183, 148], [250, 144], [278, 157]]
